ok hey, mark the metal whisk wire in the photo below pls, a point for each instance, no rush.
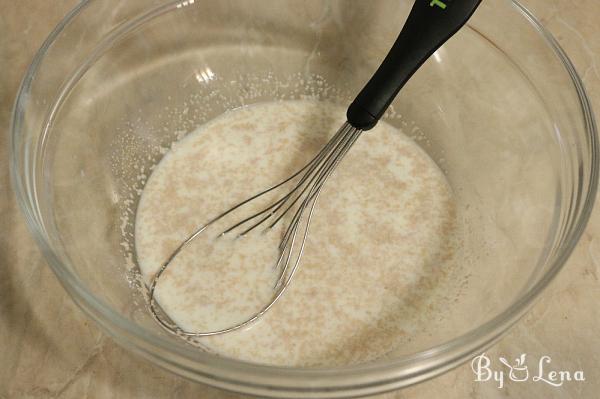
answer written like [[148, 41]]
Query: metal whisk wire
[[428, 26], [309, 181]]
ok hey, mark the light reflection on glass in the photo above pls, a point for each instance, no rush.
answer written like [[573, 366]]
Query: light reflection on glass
[[205, 75], [185, 3]]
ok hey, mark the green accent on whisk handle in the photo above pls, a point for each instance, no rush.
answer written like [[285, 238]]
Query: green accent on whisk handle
[[429, 25], [438, 3]]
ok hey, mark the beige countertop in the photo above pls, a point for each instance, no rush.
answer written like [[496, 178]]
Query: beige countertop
[[49, 349]]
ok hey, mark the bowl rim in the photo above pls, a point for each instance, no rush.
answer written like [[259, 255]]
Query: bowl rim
[[270, 380]]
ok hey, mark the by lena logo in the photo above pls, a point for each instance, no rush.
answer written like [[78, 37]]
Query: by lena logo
[[438, 3], [519, 371]]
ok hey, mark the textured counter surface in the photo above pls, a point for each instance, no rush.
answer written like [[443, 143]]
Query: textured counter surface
[[48, 348]]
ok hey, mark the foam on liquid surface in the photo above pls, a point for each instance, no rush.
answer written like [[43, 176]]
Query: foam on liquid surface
[[381, 236]]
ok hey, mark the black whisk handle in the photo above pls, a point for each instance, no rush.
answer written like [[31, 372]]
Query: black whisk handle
[[429, 25]]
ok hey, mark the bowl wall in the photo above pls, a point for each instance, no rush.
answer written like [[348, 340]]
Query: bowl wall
[[115, 85]]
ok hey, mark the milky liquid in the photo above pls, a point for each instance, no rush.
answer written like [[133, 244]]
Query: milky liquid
[[381, 235]]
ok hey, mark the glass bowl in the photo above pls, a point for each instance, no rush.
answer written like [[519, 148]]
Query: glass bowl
[[499, 107]]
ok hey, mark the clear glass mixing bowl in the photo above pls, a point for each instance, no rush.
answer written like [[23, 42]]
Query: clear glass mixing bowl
[[500, 108]]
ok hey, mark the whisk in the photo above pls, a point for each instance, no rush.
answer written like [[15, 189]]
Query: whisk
[[429, 24]]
